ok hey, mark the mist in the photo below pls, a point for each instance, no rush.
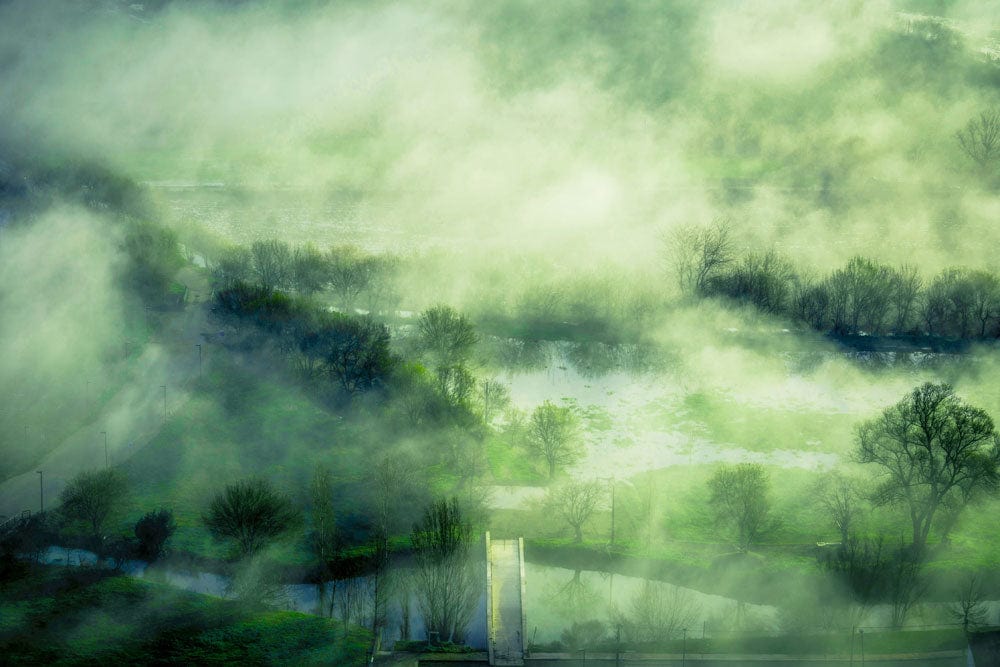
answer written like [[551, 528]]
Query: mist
[[573, 273]]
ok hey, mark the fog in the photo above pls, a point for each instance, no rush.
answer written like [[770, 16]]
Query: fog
[[535, 175]]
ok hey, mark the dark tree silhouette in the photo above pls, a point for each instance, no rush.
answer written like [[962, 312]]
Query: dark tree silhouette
[[152, 531], [931, 449], [251, 514], [739, 495]]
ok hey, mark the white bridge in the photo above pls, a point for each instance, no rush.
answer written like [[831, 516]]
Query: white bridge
[[505, 638]]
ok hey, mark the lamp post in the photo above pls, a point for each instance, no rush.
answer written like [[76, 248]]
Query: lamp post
[[199, 358], [684, 647], [41, 492], [862, 633], [105, 434], [164, 388]]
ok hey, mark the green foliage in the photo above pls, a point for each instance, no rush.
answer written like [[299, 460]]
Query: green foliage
[[353, 351], [59, 617], [152, 258], [152, 532], [931, 450]]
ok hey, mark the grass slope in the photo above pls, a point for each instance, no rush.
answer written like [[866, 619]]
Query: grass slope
[[80, 617]]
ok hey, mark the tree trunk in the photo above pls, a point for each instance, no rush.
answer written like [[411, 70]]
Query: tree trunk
[[552, 468], [578, 534]]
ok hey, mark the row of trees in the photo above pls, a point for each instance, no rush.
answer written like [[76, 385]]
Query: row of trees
[[350, 351], [250, 515], [353, 277], [932, 455], [864, 296], [90, 507]]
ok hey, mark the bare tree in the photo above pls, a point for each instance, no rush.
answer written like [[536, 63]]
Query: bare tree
[[929, 447], [347, 274], [493, 397], [840, 498], [905, 583], [234, 265], [906, 283], [698, 254], [552, 435], [980, 138], [971, 609], [660, 611], [310, 270], [272, 262], [445, 581], [251, 514], [739, 495], [574, 503], [325, 538], [860, 565], [93, 497], [446, 335]]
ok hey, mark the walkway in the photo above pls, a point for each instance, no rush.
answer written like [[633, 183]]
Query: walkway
[[505, 613]]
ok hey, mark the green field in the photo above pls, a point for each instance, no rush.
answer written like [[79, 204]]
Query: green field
[[86, 617]]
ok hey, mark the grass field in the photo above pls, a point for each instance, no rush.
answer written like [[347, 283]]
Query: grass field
[[84, 616]]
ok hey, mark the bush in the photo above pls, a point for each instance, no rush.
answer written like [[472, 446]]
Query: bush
[[152, 531]]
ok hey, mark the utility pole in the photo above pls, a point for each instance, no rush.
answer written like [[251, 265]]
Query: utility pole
[[199, 358], [105, 434], [164, 388], [684, 648], [862, 633], [41, 492]]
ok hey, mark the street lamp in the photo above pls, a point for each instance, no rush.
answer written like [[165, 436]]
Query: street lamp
[[105, 434], [41, 492]]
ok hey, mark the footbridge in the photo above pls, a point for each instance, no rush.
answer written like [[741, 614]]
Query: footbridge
[[505, 638]]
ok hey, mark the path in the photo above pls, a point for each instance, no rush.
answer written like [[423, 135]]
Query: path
[[505, 613]]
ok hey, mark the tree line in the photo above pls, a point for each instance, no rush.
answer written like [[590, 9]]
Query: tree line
[[864, 296]]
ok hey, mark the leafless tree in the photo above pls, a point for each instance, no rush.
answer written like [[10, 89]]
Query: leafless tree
[[251, 514], [660, 611], [971, 609], [552, 435], [739, 495], [840, 497], [347, 274], [493, 397], [310, 270], [272, 263], [445, 579], [980, 138], [575, 503], [906, 283], [93, 497], [698, 254], [905, 582], [325, 538]]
